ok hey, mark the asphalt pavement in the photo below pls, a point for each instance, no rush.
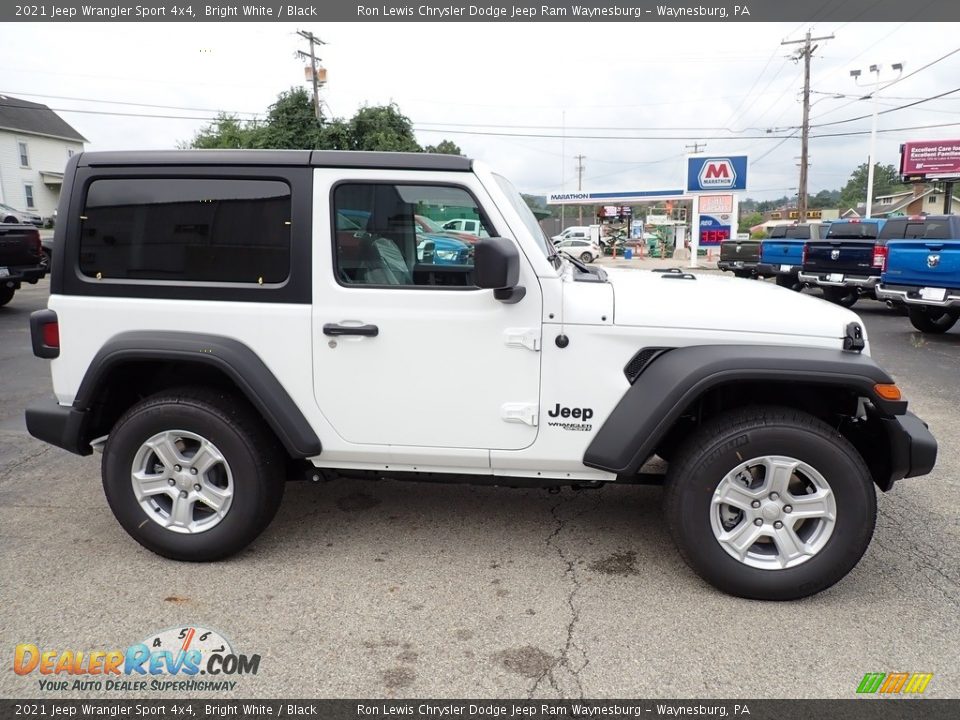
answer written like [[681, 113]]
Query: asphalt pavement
[[373, 589]]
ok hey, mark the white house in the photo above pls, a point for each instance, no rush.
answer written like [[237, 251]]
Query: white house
[[35, 144]]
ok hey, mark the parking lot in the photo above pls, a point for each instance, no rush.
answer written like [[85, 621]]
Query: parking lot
[[368, 589]]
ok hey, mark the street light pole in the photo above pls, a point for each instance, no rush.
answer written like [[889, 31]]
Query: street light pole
[[875, 69]]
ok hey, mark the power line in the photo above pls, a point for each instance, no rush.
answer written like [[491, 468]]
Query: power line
[[889, 110], [135, 104]]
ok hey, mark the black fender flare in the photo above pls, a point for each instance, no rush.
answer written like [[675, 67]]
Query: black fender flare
[[671, 382], [236, 360]]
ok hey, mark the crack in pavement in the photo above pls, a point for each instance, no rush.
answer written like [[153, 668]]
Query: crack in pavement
[[6, 471], [564, 660]]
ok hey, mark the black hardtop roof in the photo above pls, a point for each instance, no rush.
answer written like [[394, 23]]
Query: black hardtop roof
[[303, 158]]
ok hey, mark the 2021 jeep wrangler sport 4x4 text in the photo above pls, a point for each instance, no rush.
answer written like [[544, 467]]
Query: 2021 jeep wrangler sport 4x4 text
[[220, 321]]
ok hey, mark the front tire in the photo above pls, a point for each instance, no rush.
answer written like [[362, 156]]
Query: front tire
[[932, 320], [193, 474], [846, 297], [770, 503], [6, 295], [586, 257]]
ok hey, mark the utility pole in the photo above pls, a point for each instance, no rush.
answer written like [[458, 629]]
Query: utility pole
[[580, 169], [806, 52], [313, 40], [696, 147]]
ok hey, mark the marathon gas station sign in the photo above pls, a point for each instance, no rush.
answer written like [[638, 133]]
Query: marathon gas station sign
[[712, 181], [712, 174]]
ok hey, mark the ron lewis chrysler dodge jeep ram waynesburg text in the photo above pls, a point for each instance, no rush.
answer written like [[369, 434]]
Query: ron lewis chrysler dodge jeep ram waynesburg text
[[220, 321]]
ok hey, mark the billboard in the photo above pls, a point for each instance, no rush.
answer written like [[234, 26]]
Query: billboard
[[713, 174], [938, 159]]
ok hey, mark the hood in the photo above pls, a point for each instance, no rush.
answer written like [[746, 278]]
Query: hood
[[645, 298]]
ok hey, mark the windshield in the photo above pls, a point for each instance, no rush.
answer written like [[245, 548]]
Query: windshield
[[529, 221]]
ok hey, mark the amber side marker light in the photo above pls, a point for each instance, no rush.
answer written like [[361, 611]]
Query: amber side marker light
[[887, 392]]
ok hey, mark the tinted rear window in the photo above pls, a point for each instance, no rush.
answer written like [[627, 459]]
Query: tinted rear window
[[937, 230], [857, 231], [793, 232], [187, 229]]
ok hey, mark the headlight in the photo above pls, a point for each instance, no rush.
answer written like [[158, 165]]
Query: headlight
[[446, 254]]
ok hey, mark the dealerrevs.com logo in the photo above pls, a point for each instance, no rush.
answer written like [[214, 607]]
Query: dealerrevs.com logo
[[184, 659]]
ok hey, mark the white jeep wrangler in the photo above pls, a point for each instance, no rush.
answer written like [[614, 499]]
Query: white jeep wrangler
[[221, 321]]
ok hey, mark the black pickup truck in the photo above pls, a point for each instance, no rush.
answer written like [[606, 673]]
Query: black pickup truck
[[740, 257], [21, 258], [847, 264]]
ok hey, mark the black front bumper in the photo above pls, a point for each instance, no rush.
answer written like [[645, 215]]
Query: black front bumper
[[60, 425], [913, 449]]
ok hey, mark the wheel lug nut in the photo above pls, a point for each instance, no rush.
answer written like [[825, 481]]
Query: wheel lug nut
[[193, 471], [778, 524], [758, 522], [788, 508], [755, 504], [171, 481], [183, 493], [196, 487], [177, 468], [774, 496]]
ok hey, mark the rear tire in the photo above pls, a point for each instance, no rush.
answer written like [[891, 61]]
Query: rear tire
[[806, 486], [6, 295], [745, 274], [149, 480], [932, 320], [790, 282], [847, 297]]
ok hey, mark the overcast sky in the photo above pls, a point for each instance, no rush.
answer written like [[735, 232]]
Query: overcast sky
[[557, 79]]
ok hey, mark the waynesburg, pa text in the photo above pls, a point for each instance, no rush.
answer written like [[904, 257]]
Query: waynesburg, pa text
[[549, 11]]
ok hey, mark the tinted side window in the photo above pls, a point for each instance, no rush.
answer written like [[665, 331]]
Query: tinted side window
[[390, 248], [187, 229]]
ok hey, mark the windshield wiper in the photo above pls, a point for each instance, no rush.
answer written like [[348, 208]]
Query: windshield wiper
[[576, 262]]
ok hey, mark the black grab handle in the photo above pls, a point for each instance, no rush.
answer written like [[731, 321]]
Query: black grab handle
[[365, 330]]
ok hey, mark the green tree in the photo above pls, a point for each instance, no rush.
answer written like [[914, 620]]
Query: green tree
[[291, 123], [750, 220], [226, 131], [383, 127], [824, 199], [886, 180], [446, 147]]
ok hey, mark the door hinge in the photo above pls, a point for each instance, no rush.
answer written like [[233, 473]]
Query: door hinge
[[520, 413], [528, 338]]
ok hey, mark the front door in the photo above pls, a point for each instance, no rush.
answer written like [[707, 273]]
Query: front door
[[407, 351]]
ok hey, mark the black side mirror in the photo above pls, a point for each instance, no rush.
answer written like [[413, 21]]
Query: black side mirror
[[429, 249], [497, 266]]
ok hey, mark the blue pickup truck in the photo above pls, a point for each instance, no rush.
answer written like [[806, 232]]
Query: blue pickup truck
[[923, 274], [781, 254]]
